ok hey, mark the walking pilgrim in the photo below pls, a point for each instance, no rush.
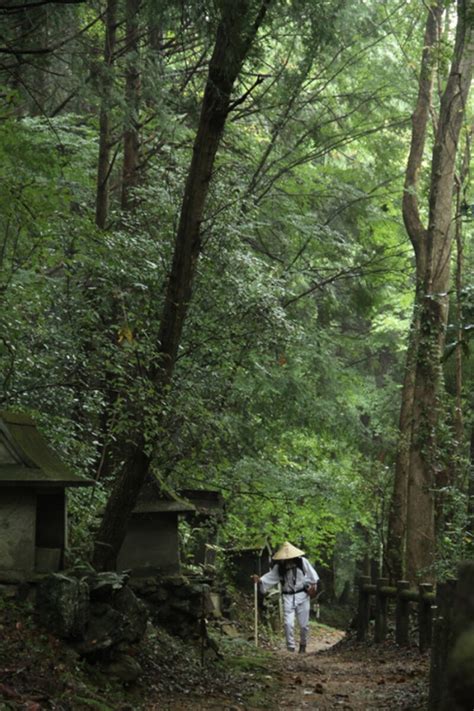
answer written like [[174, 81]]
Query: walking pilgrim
[[298, 581]]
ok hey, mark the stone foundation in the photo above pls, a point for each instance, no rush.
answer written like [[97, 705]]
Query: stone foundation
[[175, 603]]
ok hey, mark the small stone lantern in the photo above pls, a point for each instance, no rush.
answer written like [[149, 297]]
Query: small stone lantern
[[33, 511]]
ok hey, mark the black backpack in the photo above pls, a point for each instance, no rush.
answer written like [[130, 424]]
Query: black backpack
[[282, 569]]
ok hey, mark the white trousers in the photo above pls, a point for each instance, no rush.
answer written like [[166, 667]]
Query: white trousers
[[298, 605]]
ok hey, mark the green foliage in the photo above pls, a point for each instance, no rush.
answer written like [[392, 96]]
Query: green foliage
[[455, 541], [285, 394]]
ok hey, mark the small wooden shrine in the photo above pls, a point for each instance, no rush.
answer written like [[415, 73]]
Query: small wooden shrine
[[33, 507]]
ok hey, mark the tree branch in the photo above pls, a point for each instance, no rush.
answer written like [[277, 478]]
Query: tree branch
[[10, 9], [411, 212]]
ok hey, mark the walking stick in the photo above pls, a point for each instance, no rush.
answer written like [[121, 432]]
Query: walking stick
[[255, 600], [280, 605]]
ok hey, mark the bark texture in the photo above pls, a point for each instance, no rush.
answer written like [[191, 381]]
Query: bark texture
[[397, 528], [424, 461], [397, 524], [412, 517]]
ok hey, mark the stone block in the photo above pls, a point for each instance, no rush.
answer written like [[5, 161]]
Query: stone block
[[215, 605], [134, 612], [48, 560], [17, 524], [62, 604], [125, 668], [123, 618]]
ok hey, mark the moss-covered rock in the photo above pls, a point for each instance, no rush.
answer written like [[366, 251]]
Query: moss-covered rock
[[62, 605], [124, 668]]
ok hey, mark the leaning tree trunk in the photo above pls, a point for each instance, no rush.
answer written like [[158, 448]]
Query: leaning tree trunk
[[424, 460], [236, 32]]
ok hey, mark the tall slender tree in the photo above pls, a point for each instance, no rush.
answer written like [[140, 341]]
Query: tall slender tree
[[432, 247], [396, 545]]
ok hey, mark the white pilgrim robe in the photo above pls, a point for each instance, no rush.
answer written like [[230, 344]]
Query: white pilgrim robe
[[295, 600]]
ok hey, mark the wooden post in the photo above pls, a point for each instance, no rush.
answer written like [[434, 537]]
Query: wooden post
[[442, 632], [255, 601], [402, 614], [424, 616], [363, 614], [280, 606], [381, 611]]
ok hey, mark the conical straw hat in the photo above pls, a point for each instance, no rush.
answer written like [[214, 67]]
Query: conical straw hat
[[287, 551]]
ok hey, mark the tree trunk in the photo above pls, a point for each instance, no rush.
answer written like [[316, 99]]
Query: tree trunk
[[424, 459], [458, 410], [397, 523], [103, 164], [132, 101], [461, 185], [235, 34], [397, 527], [455, 469]]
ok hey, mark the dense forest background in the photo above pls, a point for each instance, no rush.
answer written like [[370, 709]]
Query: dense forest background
[[287, 368]]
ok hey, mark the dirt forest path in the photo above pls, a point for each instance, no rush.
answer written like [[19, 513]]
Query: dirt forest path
[[335, 673]]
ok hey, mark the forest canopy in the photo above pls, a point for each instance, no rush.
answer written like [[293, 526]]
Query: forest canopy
[[205, 268]]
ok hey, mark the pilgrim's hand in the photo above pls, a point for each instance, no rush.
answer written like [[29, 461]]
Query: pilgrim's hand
[[255, 578]]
